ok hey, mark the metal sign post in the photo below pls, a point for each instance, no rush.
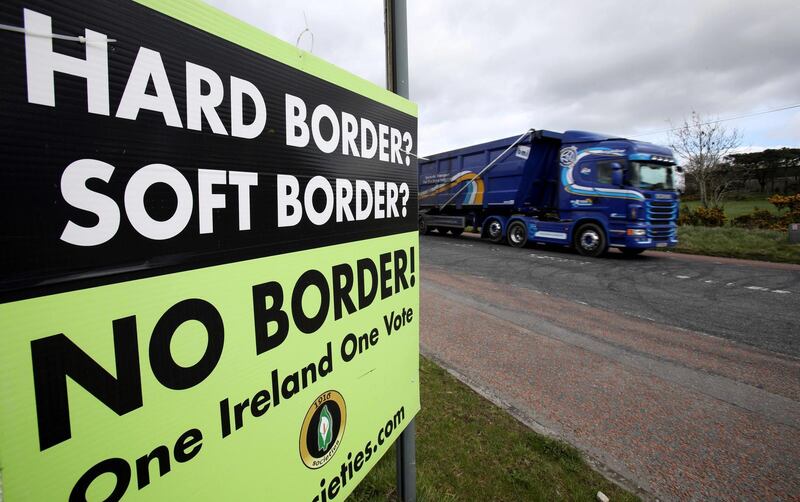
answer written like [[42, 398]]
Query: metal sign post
[[397, 82]]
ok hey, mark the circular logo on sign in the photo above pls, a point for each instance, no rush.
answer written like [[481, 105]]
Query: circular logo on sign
[[568, 156], [322, 430]]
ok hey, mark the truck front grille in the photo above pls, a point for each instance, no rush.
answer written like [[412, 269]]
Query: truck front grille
[[661, 233], [661, 214], [661, 211]]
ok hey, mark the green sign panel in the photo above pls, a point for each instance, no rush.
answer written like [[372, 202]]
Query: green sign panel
[[210, 284]]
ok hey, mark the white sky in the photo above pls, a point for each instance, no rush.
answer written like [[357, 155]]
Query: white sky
[[486, 70]]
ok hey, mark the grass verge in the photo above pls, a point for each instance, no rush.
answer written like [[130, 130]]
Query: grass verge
[[733, 242], [734, 208], [469, 449]]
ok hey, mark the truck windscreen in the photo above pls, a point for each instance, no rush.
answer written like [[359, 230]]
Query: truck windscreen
[[648, 176]]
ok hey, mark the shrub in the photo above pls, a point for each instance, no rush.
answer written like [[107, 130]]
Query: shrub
[[685, 216], [702, 216], [759, 218], [790, 202]]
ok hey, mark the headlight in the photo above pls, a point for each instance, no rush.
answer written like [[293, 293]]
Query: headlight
[[636, 231]]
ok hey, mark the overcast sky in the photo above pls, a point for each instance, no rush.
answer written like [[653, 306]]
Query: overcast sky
[[486, 70]]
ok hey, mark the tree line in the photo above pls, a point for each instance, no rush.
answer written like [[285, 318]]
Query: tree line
[[714, 169]]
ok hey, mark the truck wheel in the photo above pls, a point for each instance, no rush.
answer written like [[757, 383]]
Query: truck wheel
[[517, 234], [494, 231], [424, 229], [590, 240], [456, 231]]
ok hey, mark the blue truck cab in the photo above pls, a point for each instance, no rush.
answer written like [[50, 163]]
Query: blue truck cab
[[582, 189]]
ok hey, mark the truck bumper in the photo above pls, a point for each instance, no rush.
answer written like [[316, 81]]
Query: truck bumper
[[653, 237], [646, 243]]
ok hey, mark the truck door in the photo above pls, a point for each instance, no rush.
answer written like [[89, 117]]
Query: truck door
[[603, 179]]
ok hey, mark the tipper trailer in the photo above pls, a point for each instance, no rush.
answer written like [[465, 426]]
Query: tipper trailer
[[582, 189]]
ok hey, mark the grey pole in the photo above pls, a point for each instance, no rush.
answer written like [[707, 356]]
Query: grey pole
[[397, 82], [396, 47]]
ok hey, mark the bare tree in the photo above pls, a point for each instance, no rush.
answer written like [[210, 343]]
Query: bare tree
[[704, 146]]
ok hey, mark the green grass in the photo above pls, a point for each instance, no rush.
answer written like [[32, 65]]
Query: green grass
[[734, 208], [469, 449], [733, 242], [768, 245]]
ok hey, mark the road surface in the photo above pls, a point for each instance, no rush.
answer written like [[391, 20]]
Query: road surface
[[679, 374]]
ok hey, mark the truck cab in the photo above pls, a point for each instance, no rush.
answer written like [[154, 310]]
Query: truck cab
[[587, 190], [626, 187]]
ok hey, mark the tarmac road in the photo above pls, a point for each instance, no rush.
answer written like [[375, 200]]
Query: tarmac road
[[741, 300], [678, 375]]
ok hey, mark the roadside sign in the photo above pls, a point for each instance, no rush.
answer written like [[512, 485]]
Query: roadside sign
[[210, 279]]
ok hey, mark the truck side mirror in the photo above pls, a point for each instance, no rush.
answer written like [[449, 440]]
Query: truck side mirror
[[616, 174], [679, 169]]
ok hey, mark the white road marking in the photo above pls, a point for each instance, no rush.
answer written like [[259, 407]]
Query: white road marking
[[729, 284], [762, 288]]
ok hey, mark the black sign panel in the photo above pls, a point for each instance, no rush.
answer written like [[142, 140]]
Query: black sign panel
[[168, 167]]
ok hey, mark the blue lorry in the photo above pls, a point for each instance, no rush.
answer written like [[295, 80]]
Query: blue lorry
[[582, 189]]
